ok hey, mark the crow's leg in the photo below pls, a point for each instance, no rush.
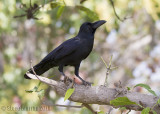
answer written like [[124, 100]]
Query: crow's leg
[[61, 70], [62, 73], [77, 74]]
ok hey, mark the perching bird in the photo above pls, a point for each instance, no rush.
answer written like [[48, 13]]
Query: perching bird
[[71, 52]]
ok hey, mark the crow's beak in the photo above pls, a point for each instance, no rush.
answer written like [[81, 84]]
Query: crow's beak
[[98, 24]]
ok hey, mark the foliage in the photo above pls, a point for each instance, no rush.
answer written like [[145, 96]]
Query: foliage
[[92, 15], [101, 112], [69, 92], [121, 101], [158, 101], [146, 110], [133, 43], [146, 87]]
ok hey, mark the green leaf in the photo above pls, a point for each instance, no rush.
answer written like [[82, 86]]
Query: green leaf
[[121, 101], [147, 88], [38, 85], [101, 112], [154, 112], [60, 11], [69, 93], [41, 93], [51, 76], [145, 110], [158, 101], [35, 89], [54, 5], [128, 88], [92, 15], [122, 108], [29, 91], [85, 111]]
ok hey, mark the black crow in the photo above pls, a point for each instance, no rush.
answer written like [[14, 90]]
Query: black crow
[[71, 52]]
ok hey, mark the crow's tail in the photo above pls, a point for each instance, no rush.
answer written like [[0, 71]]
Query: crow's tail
[[39, 69]]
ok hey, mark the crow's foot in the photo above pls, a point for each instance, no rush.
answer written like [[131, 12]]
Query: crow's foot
[[87, 83]]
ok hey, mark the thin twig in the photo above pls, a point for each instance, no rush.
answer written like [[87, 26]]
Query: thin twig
[[30, 4], [110, 109], [119, 88], [19, 16], [30, 12], [108, 67], [73, 82], [34, 71], [71, 106], [89, 107], [82, 1], [112, 3]]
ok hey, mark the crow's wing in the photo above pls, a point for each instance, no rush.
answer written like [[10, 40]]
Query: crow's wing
[[66, 48]]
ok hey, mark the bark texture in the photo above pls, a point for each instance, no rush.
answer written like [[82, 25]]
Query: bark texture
[[100, 94]]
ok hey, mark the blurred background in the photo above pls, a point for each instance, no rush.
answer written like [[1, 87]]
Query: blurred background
[[134, 43]]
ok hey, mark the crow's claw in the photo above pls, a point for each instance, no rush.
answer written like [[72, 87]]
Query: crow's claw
[[87, 83], [67, 79]]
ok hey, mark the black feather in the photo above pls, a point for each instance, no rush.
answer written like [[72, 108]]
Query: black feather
[[70, 52]]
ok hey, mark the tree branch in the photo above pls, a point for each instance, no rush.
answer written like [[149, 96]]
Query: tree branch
[[99, 94], [112, 3]]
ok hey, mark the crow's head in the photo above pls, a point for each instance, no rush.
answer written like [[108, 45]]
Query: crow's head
[[90, 28]]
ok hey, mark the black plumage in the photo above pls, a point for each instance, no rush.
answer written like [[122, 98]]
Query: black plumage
[[71, 52]]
